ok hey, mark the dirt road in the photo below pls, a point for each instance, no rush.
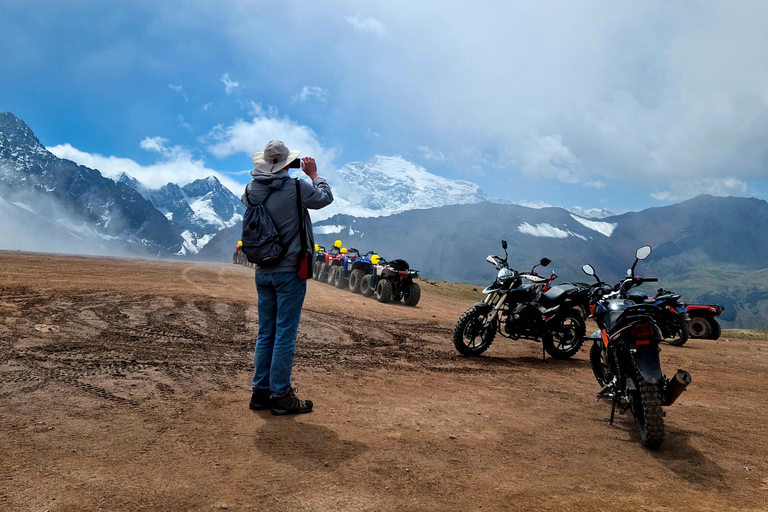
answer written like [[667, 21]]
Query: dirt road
[[124, 385]]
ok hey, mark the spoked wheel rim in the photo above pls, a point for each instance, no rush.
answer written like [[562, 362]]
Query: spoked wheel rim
[[475, 331], [567, 334]]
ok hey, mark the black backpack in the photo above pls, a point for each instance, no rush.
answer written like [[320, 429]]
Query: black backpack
[[261, 241]]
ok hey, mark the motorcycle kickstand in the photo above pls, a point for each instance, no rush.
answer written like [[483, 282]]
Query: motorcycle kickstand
[[613, 410], [543, 353]]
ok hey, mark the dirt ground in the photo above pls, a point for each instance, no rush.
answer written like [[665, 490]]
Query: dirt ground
[[124, 385]]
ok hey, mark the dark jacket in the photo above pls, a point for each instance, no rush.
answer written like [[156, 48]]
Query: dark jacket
[[281, 206]]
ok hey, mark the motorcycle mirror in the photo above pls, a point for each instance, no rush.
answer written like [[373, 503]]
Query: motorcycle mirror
[[544, 262], [587, 269], [643, 252], [504, 244], [490, 259]]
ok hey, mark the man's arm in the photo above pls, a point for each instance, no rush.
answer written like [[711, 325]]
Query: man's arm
[[319, 194]]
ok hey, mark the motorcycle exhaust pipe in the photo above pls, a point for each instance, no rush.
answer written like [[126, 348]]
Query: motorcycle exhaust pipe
[[675, 387]]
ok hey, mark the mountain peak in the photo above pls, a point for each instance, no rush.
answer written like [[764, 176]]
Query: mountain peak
[[18, 133]]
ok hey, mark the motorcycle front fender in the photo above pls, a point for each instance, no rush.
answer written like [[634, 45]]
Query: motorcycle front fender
[[483, 307], [647, 364]]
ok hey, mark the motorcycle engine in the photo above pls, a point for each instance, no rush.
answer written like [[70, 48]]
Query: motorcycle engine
[[523, 321]]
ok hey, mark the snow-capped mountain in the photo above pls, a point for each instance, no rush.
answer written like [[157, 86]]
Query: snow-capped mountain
[[387, 185], [204, 206], [60, 190]]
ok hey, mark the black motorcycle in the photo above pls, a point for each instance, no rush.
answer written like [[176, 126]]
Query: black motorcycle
[[625, 354], [516, 307]]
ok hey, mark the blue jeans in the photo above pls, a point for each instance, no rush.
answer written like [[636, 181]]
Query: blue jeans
[[281, 296]]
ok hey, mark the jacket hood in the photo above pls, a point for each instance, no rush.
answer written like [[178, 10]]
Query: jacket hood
[[269, 176]]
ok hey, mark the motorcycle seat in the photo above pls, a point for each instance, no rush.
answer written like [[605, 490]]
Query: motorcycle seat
[[555, 295]]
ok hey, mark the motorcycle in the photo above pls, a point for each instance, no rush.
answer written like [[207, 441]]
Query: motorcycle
[[625, 354], [701, 323], [516, 307], [674, 315]]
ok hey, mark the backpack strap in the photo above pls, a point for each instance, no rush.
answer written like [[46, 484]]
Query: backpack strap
[[300, 209], [248, 199]]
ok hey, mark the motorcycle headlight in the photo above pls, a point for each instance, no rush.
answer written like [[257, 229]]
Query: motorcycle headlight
[[505, 273]]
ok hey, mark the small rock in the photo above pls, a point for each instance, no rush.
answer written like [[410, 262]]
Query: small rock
[[417, 430], [327, 464], [407, 470], [451, 436], [386, 488]]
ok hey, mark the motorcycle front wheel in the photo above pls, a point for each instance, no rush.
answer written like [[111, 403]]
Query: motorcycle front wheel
[[645, 404], [471, 336], [566, 335]]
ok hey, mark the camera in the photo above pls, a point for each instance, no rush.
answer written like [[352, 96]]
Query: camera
[[296, 164]]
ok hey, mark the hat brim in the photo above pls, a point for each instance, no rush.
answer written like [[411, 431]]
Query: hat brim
[[266, 167]]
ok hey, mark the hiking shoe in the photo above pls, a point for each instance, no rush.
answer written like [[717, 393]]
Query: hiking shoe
[[260, 400], [290, 404]]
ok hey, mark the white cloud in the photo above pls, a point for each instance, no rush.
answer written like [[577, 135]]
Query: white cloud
[[207, 106], [686, 189], [369, 25], [179, 89], [428, 154], [176, 165], [370, 134], [229, 85], [310, 91], [247, 137]]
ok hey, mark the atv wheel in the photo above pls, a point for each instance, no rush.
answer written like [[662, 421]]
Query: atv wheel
[[323, 275], [338, 280], [675, 331], [600, 368], [316, 270], [471, 336], [412, 294], [365, 286], [384, 291], [355, 280], [716, 329], [699, 327], [566, 336], [645, 404], [332, 276]]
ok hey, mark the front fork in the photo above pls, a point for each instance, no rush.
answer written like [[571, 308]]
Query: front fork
[[495, 301]]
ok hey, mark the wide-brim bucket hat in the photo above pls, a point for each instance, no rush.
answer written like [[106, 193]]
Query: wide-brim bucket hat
[[274, 157]]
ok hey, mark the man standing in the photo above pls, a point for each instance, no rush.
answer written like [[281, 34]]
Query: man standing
[[280, 290]]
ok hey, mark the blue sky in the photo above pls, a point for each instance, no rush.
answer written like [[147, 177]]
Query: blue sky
[[596, 104]]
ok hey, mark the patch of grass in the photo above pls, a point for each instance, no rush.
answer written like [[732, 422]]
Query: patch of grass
[[453, 290], [745, 334]]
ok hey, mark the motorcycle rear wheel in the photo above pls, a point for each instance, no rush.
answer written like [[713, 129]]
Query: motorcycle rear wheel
[[645, 404], [566, 340], [675, 330], [469, 336]]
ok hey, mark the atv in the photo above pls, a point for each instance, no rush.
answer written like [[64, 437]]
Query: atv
[[319, 260], [343, 272], [395, 281], [335, 263], [324, 268], [361, 267]]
